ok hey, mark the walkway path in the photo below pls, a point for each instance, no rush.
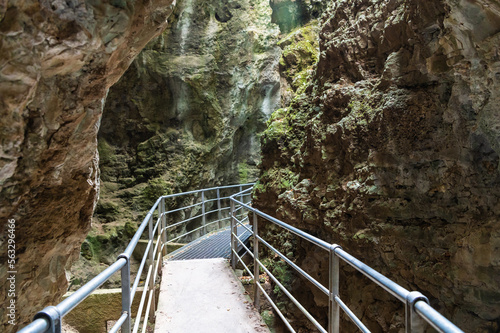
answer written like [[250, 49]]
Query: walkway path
[[203, 295], [215, 245]]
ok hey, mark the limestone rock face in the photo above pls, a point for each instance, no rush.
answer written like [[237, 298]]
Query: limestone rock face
[[187, 112], [393, 152], [57, 61]]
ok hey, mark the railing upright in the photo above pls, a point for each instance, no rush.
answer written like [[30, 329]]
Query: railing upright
[[233, 240], [256, 273], [219, 213], [333, 287], [151, 290], [241, 195], [203, 218], [413, 322], [163, 225], [159, 252], [126, 306]]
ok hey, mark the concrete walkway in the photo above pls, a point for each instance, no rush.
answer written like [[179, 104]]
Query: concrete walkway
[[204, 296]]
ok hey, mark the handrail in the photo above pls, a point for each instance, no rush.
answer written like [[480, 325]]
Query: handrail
[[417, 307], [49, 319], [418, 310]]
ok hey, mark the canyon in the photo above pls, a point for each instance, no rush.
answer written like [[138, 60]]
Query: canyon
[[371, 124]]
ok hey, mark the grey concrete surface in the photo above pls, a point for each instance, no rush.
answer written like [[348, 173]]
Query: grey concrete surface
[[204, 296]]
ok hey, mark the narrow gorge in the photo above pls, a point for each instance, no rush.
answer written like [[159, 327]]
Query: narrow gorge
[[372, 124]]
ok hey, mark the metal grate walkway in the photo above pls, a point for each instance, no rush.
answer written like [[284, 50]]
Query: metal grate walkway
[[216, 245]]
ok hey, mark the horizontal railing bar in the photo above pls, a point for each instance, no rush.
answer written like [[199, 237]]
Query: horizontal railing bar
[[139, 272], [297, 268], [435, 319], [141, 303], [351, 315], [156, 247], [146, 316], [392, 287], [182, 208], [183, 221], [242, 244], [187, 233], [290, 296], [240, 259], [212, 211], [245, 226], [226, 218], [156, 226], [240, 222], [298, 232], [37, 326], [278, 311], [135, 239], [206, 189], [211, 200], [78, 296], [210, 223], [118, 323]]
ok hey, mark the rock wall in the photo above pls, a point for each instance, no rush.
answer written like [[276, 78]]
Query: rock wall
[[186, 115], [57, 61], [392, 151]]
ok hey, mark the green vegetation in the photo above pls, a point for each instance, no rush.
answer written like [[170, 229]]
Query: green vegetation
[[156, 187], [243, 172], [300, 54]]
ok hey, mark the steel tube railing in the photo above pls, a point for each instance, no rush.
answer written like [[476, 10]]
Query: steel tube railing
[[351, 315], [38, 325], [182, 208], [119, 323], [293, 299], [415, 303], [243, 245], [390, 286], [435, 319], [296, 231], [78, 296], [293, 265], [275, 307], [139, 272], [50, 317]]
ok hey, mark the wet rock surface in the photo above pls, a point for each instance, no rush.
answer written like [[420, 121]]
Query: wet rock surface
[[57, 61], [392, 151], [186, 115]]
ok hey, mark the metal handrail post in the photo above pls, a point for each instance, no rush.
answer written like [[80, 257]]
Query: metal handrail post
[[152, 263], [163, 226], [159, 254], [241, 196], [219, 213], [413, 322], [233, 225], [333, 287], [203, 218], [126, 304], [256, 273]]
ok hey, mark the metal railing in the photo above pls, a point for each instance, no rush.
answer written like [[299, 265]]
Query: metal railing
[[160, 226], [417, 308]]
